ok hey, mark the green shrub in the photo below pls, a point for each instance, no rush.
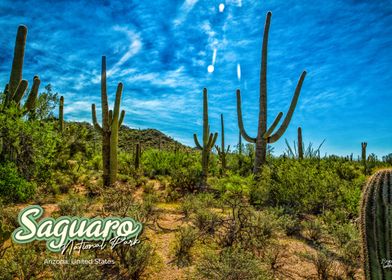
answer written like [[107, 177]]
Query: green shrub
[[230, 264], [23, 262], [307, 186], [207, 221], [323, 263], [259, 231], [350, 256], [191, 203], [117, 200], [291, 225], [275, 258], [250, 229], [171, 195], [14, 188], [313, 230], [74, 205], [149, 188], [185, 239], [134, 260]]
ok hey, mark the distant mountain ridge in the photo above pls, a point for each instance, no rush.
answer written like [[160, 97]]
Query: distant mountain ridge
[[128, 137]]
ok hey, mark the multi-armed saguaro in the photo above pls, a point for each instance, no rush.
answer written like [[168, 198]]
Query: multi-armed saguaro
[[264, 135], [209, 140], [222, 151], [111, 122], [15, 89], [376, 225]]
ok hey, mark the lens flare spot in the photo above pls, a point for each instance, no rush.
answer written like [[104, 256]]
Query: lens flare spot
[[221, 7], [210, 68]]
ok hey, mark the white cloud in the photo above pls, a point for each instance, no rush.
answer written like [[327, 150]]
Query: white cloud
[[135, 45], [183, 12]]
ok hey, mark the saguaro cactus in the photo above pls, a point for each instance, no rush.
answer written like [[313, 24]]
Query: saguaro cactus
[[376, 225], [363, 156], [61, 114], [16, 87], [363, 146], [300, 144], [222, 151], [111, 122], [209, 140], [264, 135]]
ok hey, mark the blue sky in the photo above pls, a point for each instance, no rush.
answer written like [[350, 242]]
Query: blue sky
[[161, 51]]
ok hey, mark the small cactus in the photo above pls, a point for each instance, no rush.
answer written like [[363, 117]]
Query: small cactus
[[376, 225], [222, 151], [61, 114], [111, 122], [363, 157], [363, 154], [300, 144], [209, 140]]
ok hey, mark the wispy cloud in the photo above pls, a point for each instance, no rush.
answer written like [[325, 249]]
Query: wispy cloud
[[184, 10]]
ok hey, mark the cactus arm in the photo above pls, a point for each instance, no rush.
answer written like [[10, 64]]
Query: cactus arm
[[206, 127], [222, 133], [17, 63], [197, 142], [95, 122], [262, 123], [116, 112], [275, 137], [240, 122], [122, 115], [218, 150], [20, 90], [228, 149], [110, 121], [32, 98], [212, 139], [273, 126], [104, 97]]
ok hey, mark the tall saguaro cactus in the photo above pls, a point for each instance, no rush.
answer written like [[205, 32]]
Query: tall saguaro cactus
[[376, 225], [300, 144], [111, 122], [61, 114], [16, 87], [209, 140], [264, 135], [222, 151]]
